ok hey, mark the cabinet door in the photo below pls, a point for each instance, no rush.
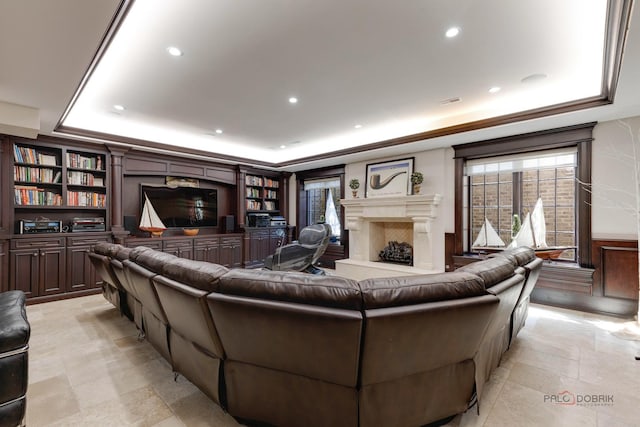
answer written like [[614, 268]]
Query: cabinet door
[[80, 271], [4, 268], [231, 252], [179, 248], [259, 247], [207, 250], [24, 271], [52, 271], [278, 237]]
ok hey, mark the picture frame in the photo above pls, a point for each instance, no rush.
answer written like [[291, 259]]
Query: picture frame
[[389, 179]]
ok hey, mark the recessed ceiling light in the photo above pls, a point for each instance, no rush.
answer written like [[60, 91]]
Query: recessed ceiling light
[[283, 146], [532, 78], [218, 131], [357, 126], [119, 107], [293, 100], [494, 89], [174, 51], [452, 32]]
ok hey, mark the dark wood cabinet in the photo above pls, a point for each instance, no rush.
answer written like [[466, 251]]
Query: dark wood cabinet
[[25, 271], [261, 242], [207, 249], [80, 272], [4, 267], [182, 248], [231, 251], [38, 266]]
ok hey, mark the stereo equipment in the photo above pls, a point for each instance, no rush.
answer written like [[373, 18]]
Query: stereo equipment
[[258, 220], [40, 226], [87, 224], [278, 221]]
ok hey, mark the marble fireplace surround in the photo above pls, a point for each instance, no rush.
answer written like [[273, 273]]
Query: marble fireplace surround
[[366, 218]]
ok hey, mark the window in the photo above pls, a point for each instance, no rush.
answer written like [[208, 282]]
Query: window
[[504, 187], [323, 204], [496, 178]]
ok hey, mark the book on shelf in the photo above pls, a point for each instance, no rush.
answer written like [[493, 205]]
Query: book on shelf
[[254, 180], [30, 155], [35, 196], [39, 175], [48, 160], [79, 161]]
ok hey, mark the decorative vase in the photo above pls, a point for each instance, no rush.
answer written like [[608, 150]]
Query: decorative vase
[[354, 193], [416, 188]]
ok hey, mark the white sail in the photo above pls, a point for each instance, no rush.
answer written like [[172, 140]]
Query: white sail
[[150, 220], [488, 236], [533, 231]]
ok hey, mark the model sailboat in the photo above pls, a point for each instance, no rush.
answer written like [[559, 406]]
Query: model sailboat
[[150, 220], [533, 234], [488, 237]]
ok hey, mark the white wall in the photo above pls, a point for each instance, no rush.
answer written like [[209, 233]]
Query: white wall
[[613, 180]]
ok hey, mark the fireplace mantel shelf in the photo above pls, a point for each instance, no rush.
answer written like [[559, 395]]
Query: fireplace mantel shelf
[[428, 199]]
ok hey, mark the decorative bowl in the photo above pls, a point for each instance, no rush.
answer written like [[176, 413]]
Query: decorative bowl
[[190, 231]]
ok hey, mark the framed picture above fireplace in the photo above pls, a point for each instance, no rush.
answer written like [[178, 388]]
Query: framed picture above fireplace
[[387, 179]]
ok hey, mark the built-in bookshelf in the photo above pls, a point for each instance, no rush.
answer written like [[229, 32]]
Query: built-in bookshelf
[[262, 194], [37, 175], [58, 179]]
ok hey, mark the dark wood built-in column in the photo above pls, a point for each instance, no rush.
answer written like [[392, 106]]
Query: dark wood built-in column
[[117, 228]]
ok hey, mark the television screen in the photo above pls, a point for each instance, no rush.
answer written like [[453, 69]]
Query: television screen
[[183, 206]]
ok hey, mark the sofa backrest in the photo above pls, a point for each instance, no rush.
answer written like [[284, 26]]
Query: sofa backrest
[[405, 340], [326, 291], [188, 314], [293, 322], [491, 270], [409, 290], [197, 274], [102, 265]]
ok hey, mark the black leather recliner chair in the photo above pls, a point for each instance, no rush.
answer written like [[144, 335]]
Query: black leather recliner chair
[[302, 254], [14, 358]]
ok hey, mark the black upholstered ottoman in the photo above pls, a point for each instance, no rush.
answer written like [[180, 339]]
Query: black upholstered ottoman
[[14, 363]]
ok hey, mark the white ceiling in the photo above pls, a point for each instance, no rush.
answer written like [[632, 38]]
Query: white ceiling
[[384, 65]]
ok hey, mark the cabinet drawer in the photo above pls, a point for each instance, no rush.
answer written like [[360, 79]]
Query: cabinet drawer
[[86, 240], [153, 244], [37, 242], [232, 240], [209, 241], [176, 244]]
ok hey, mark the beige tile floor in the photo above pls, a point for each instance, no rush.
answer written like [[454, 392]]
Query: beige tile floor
[[88, 369]]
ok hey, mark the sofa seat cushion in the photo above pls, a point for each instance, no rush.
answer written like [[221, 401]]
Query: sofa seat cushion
[[409, 290], [14, 327], [326, 291], [491, 270], [198, 274]]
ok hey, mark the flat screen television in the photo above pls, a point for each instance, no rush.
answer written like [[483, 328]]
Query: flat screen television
[[183, 206]]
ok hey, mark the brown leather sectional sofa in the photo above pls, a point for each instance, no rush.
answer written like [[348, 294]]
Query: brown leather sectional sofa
[[292, 349]]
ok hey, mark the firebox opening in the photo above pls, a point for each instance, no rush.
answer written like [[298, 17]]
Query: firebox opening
[[381, 233]]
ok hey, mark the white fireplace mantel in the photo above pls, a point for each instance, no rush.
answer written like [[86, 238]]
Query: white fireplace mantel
[[362, 214]]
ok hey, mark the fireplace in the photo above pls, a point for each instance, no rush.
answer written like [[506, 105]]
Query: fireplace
[[374, 222]]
